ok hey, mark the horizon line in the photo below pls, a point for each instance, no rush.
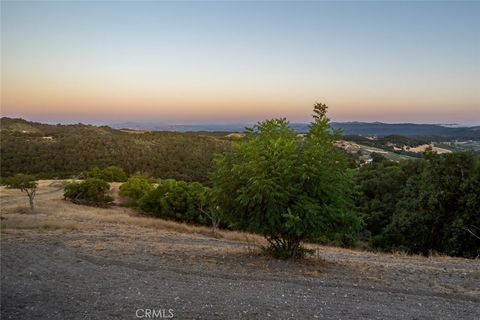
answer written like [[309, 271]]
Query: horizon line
[[218, 123]]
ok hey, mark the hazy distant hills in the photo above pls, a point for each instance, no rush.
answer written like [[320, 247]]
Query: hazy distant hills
[[236, 127], [407, 129], [348, 128], [379, 129]]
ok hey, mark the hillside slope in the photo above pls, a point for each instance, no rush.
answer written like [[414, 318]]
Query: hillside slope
[[66, 150]]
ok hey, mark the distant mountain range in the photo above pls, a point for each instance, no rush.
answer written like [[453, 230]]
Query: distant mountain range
[[407, 129], [348, 128], [433, 132]]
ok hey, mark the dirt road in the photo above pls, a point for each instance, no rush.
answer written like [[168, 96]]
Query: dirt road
[[74, 262]]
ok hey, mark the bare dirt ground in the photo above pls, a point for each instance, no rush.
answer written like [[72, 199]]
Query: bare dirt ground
[[76, 262]]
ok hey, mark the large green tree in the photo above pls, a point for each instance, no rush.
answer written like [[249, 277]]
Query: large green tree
[[439, 209], [136, 187], [289, 188]]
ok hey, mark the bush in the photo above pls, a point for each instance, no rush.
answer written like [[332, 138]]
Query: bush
[[91, 190], [109, 174], [135, 188], [177, 200]]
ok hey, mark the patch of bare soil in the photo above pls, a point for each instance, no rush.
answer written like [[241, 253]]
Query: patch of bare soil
[[79, 262]]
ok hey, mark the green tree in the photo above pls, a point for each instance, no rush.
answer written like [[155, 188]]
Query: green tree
[[439, 208], [95, 172], [286, 187], [379, 185], [26, 183], [114, 174], [176, 200], [135, 188], [90, 191]]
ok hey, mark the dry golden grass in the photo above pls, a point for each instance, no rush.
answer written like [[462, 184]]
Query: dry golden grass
[[51, 206], [36, 223], [125, 216], [424, 147]]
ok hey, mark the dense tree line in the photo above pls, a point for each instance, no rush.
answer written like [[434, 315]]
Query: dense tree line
[[109, 174], [424, 205], [64, 151]]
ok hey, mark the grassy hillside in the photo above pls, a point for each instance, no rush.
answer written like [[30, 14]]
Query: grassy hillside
[[67, 150]]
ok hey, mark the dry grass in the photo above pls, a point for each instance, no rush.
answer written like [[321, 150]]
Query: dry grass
[[49, 204], [36, 223], [125, 216], [424, 147]]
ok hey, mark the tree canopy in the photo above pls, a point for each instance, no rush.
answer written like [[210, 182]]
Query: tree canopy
[[287, 187], [423, 205], [65, 151]]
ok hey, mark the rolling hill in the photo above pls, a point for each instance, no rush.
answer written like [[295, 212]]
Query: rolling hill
[[427, 131], [67, 150]]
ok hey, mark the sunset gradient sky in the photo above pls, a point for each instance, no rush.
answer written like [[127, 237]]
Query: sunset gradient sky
[[194, 62]]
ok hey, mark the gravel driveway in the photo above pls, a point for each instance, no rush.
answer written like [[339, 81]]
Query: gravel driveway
[[45, 281]]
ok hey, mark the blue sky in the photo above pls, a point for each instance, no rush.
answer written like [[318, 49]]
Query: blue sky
[[186, 62]]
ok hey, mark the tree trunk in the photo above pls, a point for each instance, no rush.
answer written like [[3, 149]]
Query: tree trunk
[[30, 199], [285, 248], [31, 195]]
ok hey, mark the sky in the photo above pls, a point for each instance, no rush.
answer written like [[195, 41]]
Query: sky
[[235, 62]]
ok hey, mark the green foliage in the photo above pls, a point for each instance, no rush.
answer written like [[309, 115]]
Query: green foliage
[[135, 188], [176, 200], [285, 187], [380, 184], [423, 205], [109, 174], [63, 151], [21, 181], [91, 190]]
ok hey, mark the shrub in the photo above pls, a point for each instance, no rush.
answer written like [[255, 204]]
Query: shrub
[[91, 190], [109, 174], [177, 200], [135, 188]]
